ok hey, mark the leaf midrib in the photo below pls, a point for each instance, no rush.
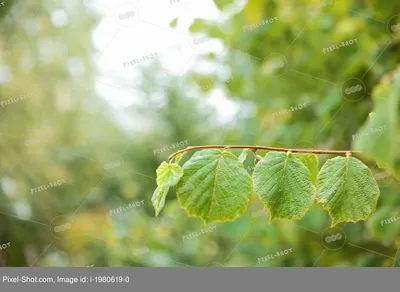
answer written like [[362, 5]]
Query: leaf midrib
[[215, 179], [344, 182]]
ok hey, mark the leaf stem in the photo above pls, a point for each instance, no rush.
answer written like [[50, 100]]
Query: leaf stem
[[254, 148]]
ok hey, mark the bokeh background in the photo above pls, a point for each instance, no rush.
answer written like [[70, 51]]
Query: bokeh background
[[96, 94]]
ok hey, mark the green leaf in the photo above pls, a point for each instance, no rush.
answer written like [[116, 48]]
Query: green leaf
[[168, 174], [379, 137], [243, 155], [284, 184], [347, 189], [158, 199], [173, 22], [215, 186], [311, 161], [396, 262]]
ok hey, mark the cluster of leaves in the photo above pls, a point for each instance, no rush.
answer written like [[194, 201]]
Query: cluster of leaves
[[215, 186]]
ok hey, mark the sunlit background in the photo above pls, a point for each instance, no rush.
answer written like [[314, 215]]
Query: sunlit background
[[94, 95]]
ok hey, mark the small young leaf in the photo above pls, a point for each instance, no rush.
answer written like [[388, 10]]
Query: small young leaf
[[158, 199], [243, 155], [168, 174], [215, 186], [311, 161], [347, 189], [284, 184]]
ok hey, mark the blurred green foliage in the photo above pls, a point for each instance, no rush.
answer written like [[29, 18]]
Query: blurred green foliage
[[64, 130]]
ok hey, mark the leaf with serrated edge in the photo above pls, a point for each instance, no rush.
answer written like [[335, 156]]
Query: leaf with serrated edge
[[168, 174], [347, 189], [284, 184], [158, 199], [311, 161], [215, 186]]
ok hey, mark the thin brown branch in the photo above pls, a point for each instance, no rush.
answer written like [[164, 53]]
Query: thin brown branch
[[254, 148]]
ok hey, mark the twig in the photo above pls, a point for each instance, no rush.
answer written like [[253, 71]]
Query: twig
[[338, 152]]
